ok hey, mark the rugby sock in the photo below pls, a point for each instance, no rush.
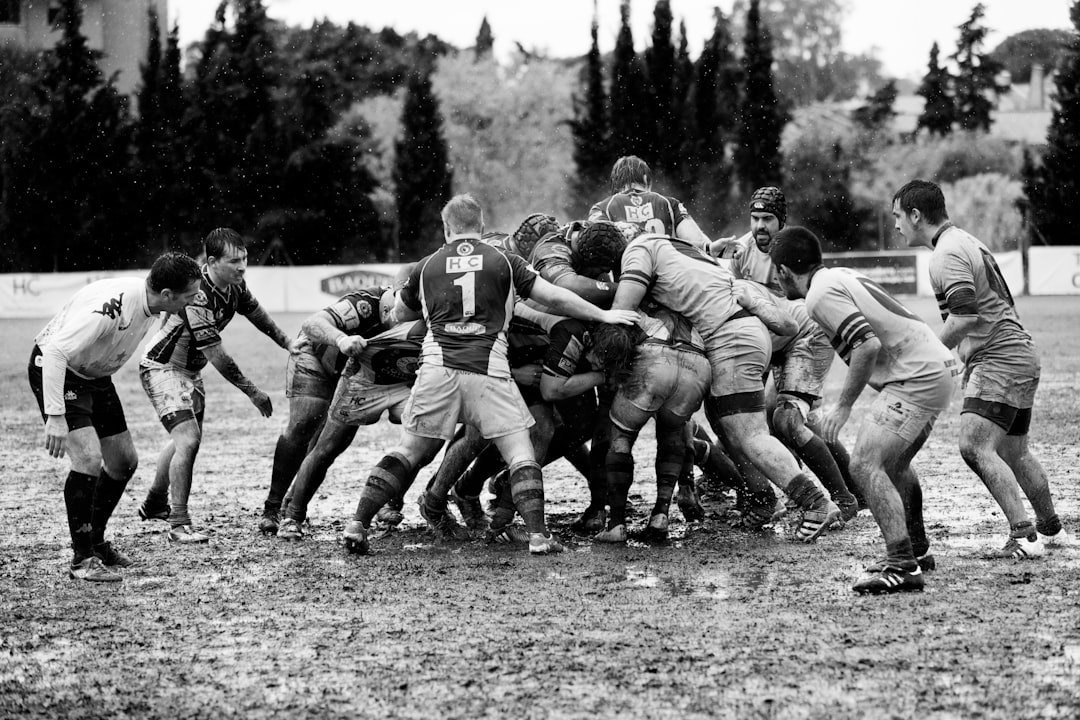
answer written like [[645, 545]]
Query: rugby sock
[[79, 501], [1022, 529], [503, 510], [815, 453], [597, 475], [390, 478], [913, 512], [900, 554], [1049, 526], [527, 488], [179, 515], [157, 499], [620, 476], [843, 461], [288, 457], [673, 463], [804, 493], [107, 495]]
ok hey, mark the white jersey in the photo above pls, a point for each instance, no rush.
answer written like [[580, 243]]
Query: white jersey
[[95, 333], [753, 264]]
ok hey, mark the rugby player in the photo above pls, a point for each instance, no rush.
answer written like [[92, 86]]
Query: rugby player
[[889, 348], [170, 371], [70, 374], [1001, 366], [466, 291]]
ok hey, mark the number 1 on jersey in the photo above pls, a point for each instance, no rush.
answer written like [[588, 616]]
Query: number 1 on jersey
[[467, 283]]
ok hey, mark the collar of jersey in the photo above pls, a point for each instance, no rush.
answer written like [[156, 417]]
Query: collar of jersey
[[933, 241]]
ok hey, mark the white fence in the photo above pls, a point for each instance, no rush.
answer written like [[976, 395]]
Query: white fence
[[1052, 271]]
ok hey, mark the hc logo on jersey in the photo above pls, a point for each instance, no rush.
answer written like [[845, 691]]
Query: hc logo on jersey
[[469, 263], [639, 214]]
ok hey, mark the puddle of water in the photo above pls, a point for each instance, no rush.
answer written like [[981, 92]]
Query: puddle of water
[[712, 584]]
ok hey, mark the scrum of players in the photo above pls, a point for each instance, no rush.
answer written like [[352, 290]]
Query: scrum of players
[[510, 351]]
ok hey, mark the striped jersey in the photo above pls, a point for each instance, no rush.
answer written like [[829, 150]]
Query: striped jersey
[[682, 278], [753, 264], [466, 290], [851, 309], [967, 281], [650, 212], [355, 313], [182, 338], [392, 356]]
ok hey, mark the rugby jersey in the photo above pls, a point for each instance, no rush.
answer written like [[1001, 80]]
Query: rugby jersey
[[96, 331], [967, 281], [753, 264], [466, 290], [649, 211], [392, 356], [182, 338], [851, 309], [682, 278], [795, 308], [355, 313]]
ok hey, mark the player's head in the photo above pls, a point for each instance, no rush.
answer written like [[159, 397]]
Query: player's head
[[614, 347], [226, 256], [768, 213], [531, 230], [175, 279], [600, 249], [918, 208], [462, 215], [628, 171], [795, 252]]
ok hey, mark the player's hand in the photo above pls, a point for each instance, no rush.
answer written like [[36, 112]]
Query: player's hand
[[298, 345], [56, 431], [528, 375], [620, 317], [262, 401], [835, 418], [725, 247], [351, 345], [743, 296]]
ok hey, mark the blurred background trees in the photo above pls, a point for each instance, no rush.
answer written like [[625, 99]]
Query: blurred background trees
[[338, 143]]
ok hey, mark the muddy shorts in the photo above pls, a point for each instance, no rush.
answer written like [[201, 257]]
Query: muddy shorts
[[1000, 386], [911, 412], [662, 377], [442, 397], [177, 395], [358, 401], [739, 356], [88, 402], [803, 368], [305, 376]]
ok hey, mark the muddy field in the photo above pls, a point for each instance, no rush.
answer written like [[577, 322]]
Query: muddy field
[[718, 623]]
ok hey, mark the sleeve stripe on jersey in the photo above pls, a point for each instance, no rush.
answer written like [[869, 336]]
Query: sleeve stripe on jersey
[[853, 324], [962, 299], [637, 276]]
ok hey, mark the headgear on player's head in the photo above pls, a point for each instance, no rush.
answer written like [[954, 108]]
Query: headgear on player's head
[[796, 248], [771, 200], [531, 230], [600, 246]]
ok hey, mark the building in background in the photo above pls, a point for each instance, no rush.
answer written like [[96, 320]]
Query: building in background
[[119, 29]]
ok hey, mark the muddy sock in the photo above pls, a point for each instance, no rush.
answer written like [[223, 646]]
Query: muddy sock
[[179, 515], [287, 459], [916, 527], [1049, 526], [900, 554], [804, 493], [155, 499], [527, 489], [79, 502], [390, 478], [107, 495], [620, 476], [843, 462], [1022, 529], [815, 453]]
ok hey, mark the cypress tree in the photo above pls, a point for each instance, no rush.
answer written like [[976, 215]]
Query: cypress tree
[[631, 132], [976, 75], [422, 174], [939, 112], [761, 120], [485, 41], [589, 128], [1052, 187], [660, 62]]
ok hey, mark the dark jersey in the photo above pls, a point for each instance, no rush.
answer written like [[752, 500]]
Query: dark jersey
[[566, 352], [466, 290], [554, 258], [649, 211], [356, 313], [182, 338]]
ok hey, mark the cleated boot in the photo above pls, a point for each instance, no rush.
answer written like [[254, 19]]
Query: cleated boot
[[815, 522], [443, 525], [591, 521], [886, 578], [268, 523], [544, 544], [507, 535], [1019, 548], [154, 512], [110, 556], [472, 511], [92, 569], [186, 535], [689, 501], [355, 538], [289, 529], [615, 534]]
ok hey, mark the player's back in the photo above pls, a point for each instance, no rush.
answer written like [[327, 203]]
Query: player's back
[[850, 308], [682, 278], [651, 212]]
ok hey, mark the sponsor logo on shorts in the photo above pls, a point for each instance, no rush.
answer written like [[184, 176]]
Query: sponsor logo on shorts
[[465, 328], [71, 395]]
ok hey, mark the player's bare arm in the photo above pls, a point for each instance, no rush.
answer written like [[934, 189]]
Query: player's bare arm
[[231, 371], [404, 313], [567, 303], [597, 292], [956, 329], [321, 329], [689, 231], [628, 296], [266, 325], [763, 307], [861, 367], [556, 387]]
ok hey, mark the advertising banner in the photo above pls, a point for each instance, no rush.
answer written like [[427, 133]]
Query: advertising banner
[[1054, 270]]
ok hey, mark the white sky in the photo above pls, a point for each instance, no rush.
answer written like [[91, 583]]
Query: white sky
[[898, 32]]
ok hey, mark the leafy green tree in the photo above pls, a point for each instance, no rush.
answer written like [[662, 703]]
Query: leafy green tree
[[878, 110], [67, 183], [422, 174], [761, 119], [660, 66], [485, 41], [631, 134], [976, 75], [939, 111], [1017, 53], [590, 126], [1053, 186]]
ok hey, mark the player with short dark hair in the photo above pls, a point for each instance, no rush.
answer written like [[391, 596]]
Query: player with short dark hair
[[171, 367], [70, 374], [466, 292], [889, 348], [1002, 368]]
